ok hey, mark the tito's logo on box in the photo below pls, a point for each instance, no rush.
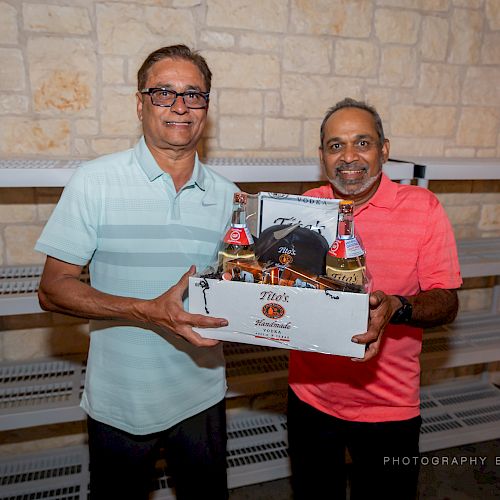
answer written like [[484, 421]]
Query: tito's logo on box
[[273, 310]]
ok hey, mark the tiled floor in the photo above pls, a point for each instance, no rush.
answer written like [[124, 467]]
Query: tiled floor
[[468, 472], [462, 473]]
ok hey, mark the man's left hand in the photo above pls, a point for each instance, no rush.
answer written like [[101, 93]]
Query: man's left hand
[[382, 307]]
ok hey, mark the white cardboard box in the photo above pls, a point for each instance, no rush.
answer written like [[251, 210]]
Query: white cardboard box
[[280, 316]]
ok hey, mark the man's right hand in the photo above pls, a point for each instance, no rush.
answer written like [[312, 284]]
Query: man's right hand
[[167, 311], [61, 291]]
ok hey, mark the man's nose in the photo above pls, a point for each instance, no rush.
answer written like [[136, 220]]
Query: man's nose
[[179, 106], [350, 153]]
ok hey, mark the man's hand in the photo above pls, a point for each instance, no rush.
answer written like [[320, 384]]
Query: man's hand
[[382, 307], [167, 311], [430, 308], [61, 291]]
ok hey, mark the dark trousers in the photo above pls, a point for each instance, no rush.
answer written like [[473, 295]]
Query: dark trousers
[[385, 456], [122, 464]]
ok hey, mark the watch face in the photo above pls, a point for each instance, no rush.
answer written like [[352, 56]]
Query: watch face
[[406, 312]]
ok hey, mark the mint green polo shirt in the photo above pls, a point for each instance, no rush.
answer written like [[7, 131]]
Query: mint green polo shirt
[[122, 214]]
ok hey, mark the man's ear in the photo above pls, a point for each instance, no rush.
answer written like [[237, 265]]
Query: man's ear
[[138, 97], [385, 150]]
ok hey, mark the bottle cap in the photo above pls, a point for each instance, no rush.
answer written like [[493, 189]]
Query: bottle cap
[[240, 197], [346, 206]]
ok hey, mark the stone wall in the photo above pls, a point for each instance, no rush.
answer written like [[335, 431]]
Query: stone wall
[[431, 67], [68, 78]]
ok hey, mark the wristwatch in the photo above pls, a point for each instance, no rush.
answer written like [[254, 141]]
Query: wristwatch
[[403, 314]]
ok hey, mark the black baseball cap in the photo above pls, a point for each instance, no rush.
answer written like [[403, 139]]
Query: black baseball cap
[[293, 245]]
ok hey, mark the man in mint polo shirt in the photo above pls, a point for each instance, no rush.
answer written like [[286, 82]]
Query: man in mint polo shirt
[[144, 219]]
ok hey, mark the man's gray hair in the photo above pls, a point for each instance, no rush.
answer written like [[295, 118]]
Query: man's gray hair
[[174, 52], [352, 103]]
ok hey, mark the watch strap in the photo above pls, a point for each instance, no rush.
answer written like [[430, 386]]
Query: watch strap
[[404, 313]]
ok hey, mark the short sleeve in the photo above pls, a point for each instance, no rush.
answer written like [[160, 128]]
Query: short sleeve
[[438, 265], [70, 234]]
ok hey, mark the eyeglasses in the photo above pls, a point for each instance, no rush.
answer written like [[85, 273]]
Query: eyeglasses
[[166, 98]]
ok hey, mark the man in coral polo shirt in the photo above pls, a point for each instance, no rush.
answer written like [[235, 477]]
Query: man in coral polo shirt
[[371, 408]]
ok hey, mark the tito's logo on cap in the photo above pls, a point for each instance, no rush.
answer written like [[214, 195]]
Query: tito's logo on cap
[[273, 310], [285, 259]]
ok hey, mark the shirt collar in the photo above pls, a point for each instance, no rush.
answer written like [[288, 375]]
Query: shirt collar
[[385, 195], [152, 170]]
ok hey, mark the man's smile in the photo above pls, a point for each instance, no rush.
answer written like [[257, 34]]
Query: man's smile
[[177, 124], [351, 173]]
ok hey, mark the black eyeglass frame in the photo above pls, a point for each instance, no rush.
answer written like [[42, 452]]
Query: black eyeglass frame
[[151, 90]]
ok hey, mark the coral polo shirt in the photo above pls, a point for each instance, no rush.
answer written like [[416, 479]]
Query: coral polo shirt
[[410, 247]]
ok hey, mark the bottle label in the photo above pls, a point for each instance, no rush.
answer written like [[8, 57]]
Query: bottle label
[[238, 236], [345, 249], [352, 276]]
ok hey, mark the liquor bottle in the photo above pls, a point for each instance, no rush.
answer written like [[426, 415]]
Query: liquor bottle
[[345, 261], [238, 242]]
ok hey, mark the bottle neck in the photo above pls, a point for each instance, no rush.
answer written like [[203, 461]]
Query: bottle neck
[[345, 225], [239, 217]]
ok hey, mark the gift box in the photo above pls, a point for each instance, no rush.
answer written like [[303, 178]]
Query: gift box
[[282, 316], [293, 234]]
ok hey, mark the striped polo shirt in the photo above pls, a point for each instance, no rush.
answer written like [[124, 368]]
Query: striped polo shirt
[[122, 213]]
